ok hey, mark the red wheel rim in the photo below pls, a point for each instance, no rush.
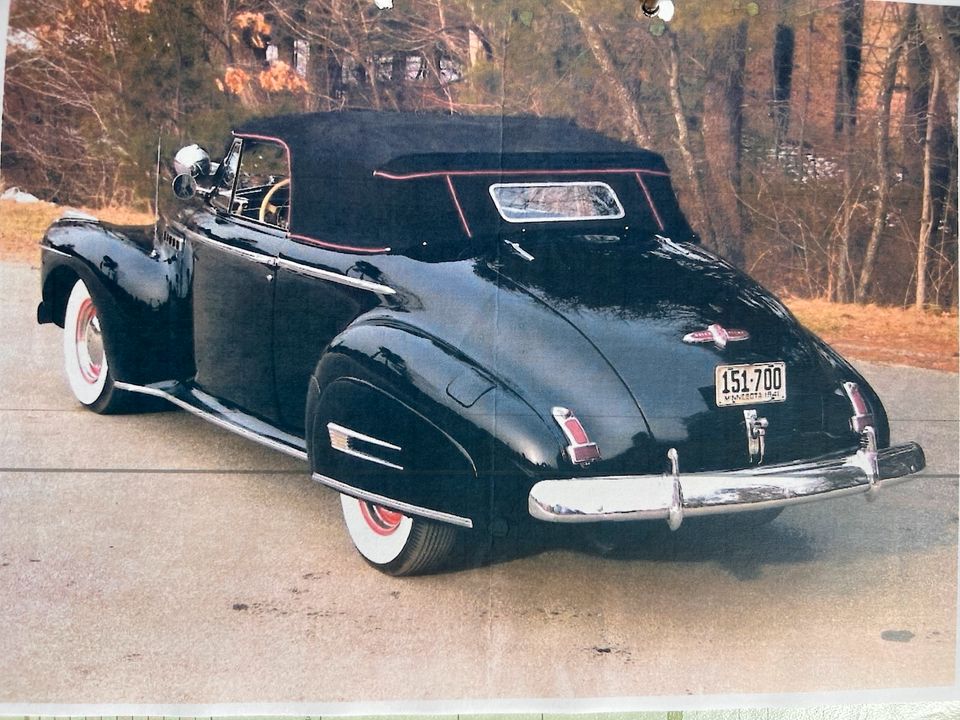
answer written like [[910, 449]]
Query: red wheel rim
[[88, 342], [379, 519]]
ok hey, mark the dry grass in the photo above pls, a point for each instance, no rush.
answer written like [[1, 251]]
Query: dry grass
[[23, 224], [926, 338], [867, 332]]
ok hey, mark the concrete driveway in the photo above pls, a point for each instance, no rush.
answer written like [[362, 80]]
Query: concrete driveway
[[157, 558]]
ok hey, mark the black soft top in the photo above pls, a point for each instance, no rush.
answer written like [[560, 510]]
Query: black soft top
[[376, 180]]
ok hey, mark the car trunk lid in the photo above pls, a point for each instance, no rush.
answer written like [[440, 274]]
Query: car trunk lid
[[637, 299]]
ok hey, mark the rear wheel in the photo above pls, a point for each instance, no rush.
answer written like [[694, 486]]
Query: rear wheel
[[85, 356], [395, 543]]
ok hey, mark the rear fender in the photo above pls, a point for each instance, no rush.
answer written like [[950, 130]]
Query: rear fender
[[468, 445], [841, 409]]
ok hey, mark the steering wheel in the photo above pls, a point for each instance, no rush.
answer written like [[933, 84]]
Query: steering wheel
[[267, 207]]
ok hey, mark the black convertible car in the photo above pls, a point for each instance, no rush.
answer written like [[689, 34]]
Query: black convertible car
[[465, 324]]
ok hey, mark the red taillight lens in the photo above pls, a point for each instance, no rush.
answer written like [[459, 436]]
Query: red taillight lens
[[575, 431]]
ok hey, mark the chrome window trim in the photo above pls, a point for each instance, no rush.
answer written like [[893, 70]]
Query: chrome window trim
[[403, 507], [586, 183], [218, 194], [334, 277]]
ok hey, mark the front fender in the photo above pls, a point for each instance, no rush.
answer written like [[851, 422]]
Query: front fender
[[130, 283], [469, 445]]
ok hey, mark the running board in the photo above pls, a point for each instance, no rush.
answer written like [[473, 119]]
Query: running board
[[209, 408]]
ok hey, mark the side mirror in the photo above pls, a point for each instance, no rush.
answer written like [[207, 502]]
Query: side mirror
[[192, 160], [184, 186]]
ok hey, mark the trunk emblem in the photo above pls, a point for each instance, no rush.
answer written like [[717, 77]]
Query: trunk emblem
[[717, 334]]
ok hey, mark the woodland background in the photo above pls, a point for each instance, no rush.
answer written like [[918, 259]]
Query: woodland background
[[813, 142]]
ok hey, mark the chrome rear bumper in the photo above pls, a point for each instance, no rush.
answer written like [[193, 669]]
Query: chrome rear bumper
[[672, 497]]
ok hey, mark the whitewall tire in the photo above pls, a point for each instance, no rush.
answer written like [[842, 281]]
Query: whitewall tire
[[395, 543], [85, 355]]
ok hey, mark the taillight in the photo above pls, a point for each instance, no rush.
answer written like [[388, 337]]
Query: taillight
[[579, 448]]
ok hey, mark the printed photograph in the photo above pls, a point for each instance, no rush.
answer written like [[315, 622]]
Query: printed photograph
[[469, 352]]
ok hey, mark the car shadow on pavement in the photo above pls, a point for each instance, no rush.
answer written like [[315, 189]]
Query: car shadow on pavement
[[739, 549]]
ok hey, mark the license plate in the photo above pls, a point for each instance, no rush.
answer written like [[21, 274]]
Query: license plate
[[750, 384]]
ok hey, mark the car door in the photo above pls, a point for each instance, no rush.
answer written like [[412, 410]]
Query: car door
[[235, 241], [319, 293]]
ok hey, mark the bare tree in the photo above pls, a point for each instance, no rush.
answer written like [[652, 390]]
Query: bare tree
[[610, 74], [941, 40], [848, 70], [722, 132], [884, 96], [927, 214], [683, 141]]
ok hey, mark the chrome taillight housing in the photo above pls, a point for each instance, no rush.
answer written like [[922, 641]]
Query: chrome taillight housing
[[862, 416], [579, 448]]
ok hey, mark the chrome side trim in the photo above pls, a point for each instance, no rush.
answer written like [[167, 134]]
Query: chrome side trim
[[334, 277], [673, 497], [47, 248], [261, 258], [360, 436], [393, 504], [216, 420], [341, 436]]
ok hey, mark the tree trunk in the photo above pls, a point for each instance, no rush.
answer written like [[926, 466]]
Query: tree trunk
[[805, 103], [917, 66], [683, 144], [840, 285], [947, 245], [848, 73], [610, 74], [722, 130], [945, 54], [783, 46], [927, 215], [887, 81]]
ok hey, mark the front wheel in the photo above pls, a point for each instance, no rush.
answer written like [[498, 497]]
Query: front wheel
[[85, 356], [394, 543]]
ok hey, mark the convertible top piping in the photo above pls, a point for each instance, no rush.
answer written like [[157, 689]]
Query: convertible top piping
[[653, 208], [456, 203], [475, 173]]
